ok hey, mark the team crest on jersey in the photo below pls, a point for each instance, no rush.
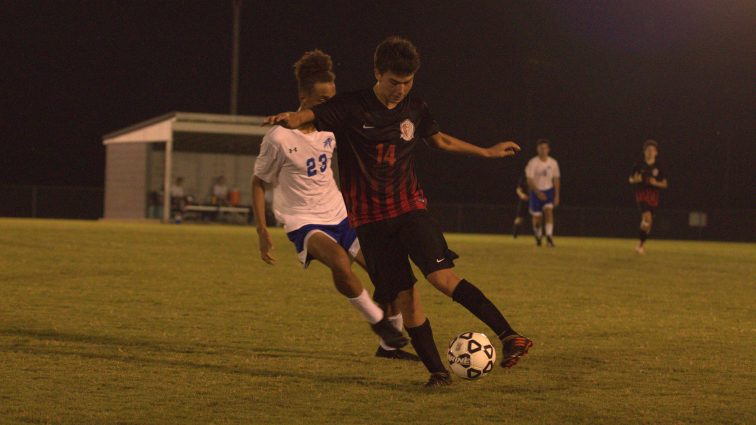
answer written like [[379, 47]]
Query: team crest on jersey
[[408, 130], [655, 172], [328, 143]]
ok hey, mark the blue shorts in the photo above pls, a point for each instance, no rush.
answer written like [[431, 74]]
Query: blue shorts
[[340, 233], [536, 205]]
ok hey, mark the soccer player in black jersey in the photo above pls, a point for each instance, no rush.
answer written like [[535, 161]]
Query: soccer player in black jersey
[[647, 178], [378, 130]]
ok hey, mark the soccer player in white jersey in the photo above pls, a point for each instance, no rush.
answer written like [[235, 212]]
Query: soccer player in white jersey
[[307, 201], [542, 173]]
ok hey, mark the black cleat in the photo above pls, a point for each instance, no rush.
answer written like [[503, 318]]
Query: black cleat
[[396, 354], [439, 379], [538, 241], [549, 242], [515, 346], [389, 334]]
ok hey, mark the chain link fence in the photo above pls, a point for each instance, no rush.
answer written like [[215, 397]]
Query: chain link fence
[[720, 224]]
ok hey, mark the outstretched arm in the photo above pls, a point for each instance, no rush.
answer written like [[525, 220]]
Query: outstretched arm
[[291, 120], [452, 144], [258, 206]]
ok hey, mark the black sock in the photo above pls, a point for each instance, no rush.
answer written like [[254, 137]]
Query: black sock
[[425, 346], [642, 235], [472, 299]]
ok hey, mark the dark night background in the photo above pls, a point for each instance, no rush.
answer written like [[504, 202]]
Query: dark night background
[[597, 78]]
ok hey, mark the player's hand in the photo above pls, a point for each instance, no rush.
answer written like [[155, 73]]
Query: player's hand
[[653, 182], [636, 178], [282, 119], [556, 201], [503, 149], [266, 246], [541, 195]]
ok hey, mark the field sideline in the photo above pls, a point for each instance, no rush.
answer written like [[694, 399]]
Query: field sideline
[[126, 323]]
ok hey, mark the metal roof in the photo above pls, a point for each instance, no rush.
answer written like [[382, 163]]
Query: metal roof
[[189, 128]]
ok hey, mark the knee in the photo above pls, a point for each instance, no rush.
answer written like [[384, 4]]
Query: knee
[[445, 281]]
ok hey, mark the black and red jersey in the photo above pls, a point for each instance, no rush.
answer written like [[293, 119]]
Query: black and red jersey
[[376, 152], [644, 192]]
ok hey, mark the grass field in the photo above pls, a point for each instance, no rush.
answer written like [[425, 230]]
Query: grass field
[[116, 323]]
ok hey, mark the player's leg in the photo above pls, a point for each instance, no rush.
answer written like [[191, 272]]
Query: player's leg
[[395, 318], [429, 251], [535, 207], [421, 334], [516, 226], [537, 218], [548, 215], [647, 219], [391, 273], [323, 248]]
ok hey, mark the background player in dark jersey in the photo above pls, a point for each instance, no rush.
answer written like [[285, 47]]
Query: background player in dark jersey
[[647, 178], [522, 199], [378, 130]]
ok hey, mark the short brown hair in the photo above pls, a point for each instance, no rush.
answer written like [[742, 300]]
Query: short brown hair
[[313, 67], [540, 142], [650, 142], [398, 55]]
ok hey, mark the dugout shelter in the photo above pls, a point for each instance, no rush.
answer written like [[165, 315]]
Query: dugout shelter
[[143, 160]]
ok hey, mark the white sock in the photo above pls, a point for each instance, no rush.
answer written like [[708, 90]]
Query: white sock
[[549, 229], [537, 231], [365, 305], [398, 323]]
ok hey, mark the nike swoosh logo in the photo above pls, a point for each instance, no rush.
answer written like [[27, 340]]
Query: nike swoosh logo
[[440, 260], [367, 126]]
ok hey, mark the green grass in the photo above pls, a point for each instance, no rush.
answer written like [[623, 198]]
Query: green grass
[[116, 323]]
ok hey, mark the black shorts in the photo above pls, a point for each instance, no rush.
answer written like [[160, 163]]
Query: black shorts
[[645, 207], [387, 244]]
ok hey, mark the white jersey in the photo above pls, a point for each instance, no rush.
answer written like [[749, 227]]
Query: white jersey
[[298, 165], [542, 172]]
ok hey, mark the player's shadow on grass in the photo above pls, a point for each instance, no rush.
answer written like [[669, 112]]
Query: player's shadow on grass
[[117, 353], [192, 348]]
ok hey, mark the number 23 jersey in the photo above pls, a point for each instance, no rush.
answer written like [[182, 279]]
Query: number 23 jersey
[[298, 165]]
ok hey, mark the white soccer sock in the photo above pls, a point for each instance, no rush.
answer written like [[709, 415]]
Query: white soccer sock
[[549, 229], [365, 305], [537, 231], [398, 323]]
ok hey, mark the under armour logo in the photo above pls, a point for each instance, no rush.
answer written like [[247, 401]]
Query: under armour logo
[[328, 143], [292, 150]]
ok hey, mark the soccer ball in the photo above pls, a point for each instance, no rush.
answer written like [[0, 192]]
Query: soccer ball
[[471, 355]]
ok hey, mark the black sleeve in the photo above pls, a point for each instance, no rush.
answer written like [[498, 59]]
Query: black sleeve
[[332, 114], [428, 125]]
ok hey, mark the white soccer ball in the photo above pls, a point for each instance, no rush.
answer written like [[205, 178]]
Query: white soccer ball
[[471, 355]]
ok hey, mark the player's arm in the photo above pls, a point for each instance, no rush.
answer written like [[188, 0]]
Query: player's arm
[[452, 144], [538, 193], [291, 120], [258, 207], [557, 187], [636, 177], [661, 184], [521, 193]]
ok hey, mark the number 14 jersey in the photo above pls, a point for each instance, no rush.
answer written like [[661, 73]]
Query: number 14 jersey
[[377, 149]]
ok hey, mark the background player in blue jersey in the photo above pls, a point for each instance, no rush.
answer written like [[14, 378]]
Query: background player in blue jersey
[[543, 177]]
